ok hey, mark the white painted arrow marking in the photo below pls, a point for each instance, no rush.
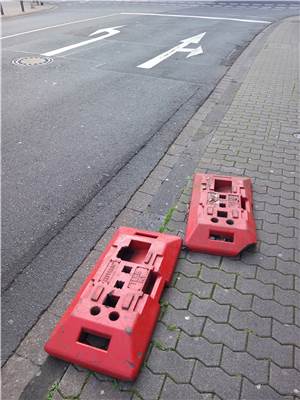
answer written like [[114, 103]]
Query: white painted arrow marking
[[181, 48], [109, 32]]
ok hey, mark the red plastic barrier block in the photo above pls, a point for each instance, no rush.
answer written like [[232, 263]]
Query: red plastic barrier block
[[221, 217], [109, 323]]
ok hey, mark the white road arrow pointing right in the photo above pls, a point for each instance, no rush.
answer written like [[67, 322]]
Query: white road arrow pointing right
[[109, 32], [181, 48]]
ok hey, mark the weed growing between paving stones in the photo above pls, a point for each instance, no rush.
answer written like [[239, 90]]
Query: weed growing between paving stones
[[159, 345], [172, 327], [116, 384], [163, 306], [167, 218], [52, 391]]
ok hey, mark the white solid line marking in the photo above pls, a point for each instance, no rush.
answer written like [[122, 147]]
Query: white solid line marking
[[59, 25], [200, 17]]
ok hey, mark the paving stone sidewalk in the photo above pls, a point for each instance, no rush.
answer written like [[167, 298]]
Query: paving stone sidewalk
[[11, 8], [229, 327]]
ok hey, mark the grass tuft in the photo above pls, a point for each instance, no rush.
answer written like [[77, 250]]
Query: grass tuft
[[166, 220], [52, 391]]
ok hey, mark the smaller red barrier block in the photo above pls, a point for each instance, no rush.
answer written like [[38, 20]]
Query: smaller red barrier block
[[221, 217], [108, 326]]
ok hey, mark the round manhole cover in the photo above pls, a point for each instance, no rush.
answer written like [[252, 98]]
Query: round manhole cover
[[30, 61]]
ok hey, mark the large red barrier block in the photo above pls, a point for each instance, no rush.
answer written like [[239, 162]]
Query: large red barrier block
[[221, 217], [108, 326]]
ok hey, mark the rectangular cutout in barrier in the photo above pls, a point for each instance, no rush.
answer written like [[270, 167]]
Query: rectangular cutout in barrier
[[224, 237], [221, 219], [108, 326], [222, 186], [97, 341]]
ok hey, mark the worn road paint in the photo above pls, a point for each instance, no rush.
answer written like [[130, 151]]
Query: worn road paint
[[181, 48], [255, 21], [58, 25], [109, 32]]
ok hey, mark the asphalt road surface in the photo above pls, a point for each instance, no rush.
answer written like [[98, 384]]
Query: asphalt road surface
[[82, 132]]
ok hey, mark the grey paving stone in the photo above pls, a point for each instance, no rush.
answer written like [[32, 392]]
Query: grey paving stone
[[288, 267], [269, 184], [128, 217], [253, 286], [62, 301], [286, 333], [171, 363], [100, 377], [251, 322], [275, 277], [232, 297], [103, 242], [151, 186], [206, 259], [184, 320], [269, 348], [288, 243], [297, 317], [175, 226], [258, 259], [297, 255], [175, 391], [32, 347], [187, 268], [169, 160], [72, 382], [176, 298], [198, 347], [279, 229], [270, 308], [288, 222], [271, 218], [297, 284], [289, 187], [281, 193], [147, 384], [160, 172], [140, 201], [214, 379], [287, 297], [243, 363], [259, 205], [264, 236], [213, 275], [296, 358], [285, 380], [96, 390], [16, 374], [178, 216], [226, 334], [194, 285], [239, 267], [209, 308], [272, 250], [290, 203], [57, 396], [167, 337], [259, 392]]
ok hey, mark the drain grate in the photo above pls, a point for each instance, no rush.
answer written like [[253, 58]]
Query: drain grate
[[31, 61]]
